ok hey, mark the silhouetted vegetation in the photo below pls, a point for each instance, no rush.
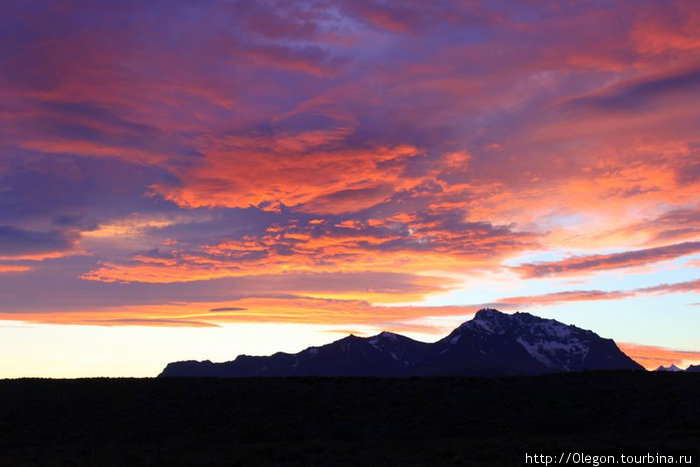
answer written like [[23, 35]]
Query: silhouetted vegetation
[[340, 421]]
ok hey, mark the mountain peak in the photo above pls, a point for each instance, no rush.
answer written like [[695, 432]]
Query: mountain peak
[[386, 335], [492, 321], [489, 313], [350, 338], [388, 340]]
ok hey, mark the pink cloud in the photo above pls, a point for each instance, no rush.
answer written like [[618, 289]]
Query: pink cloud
[[586, 264]]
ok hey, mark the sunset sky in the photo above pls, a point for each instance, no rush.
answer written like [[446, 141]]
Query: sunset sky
[[195, 180]]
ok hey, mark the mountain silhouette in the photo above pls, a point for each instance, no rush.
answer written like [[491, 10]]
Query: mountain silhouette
[[669, 369], [491, 344]]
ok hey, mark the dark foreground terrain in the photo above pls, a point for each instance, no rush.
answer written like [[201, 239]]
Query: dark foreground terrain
[[341, 421]]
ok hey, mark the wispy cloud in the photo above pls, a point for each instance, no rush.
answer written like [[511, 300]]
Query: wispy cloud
[[590, 263], [595, 295]]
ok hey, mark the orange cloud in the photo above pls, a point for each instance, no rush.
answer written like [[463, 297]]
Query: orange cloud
[[427, 241], [291, 309], [344, 180], [7, 268], [375, 286]]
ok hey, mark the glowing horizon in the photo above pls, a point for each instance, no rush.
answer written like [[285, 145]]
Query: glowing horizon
[[172, 172]]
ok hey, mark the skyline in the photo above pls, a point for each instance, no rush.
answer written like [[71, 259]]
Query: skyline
[[187, 180]]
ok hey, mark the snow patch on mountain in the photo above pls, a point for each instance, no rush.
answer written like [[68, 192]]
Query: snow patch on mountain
[[481, 325], [554, 353], [535, 353]]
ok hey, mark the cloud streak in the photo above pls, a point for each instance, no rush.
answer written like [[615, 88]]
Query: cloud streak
[[595, 295], [585, 264]]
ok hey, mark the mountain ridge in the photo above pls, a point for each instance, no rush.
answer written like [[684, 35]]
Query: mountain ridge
[[492, 343], [675, 369]]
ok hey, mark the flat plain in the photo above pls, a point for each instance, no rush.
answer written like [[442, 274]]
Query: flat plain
[[341, 421]]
